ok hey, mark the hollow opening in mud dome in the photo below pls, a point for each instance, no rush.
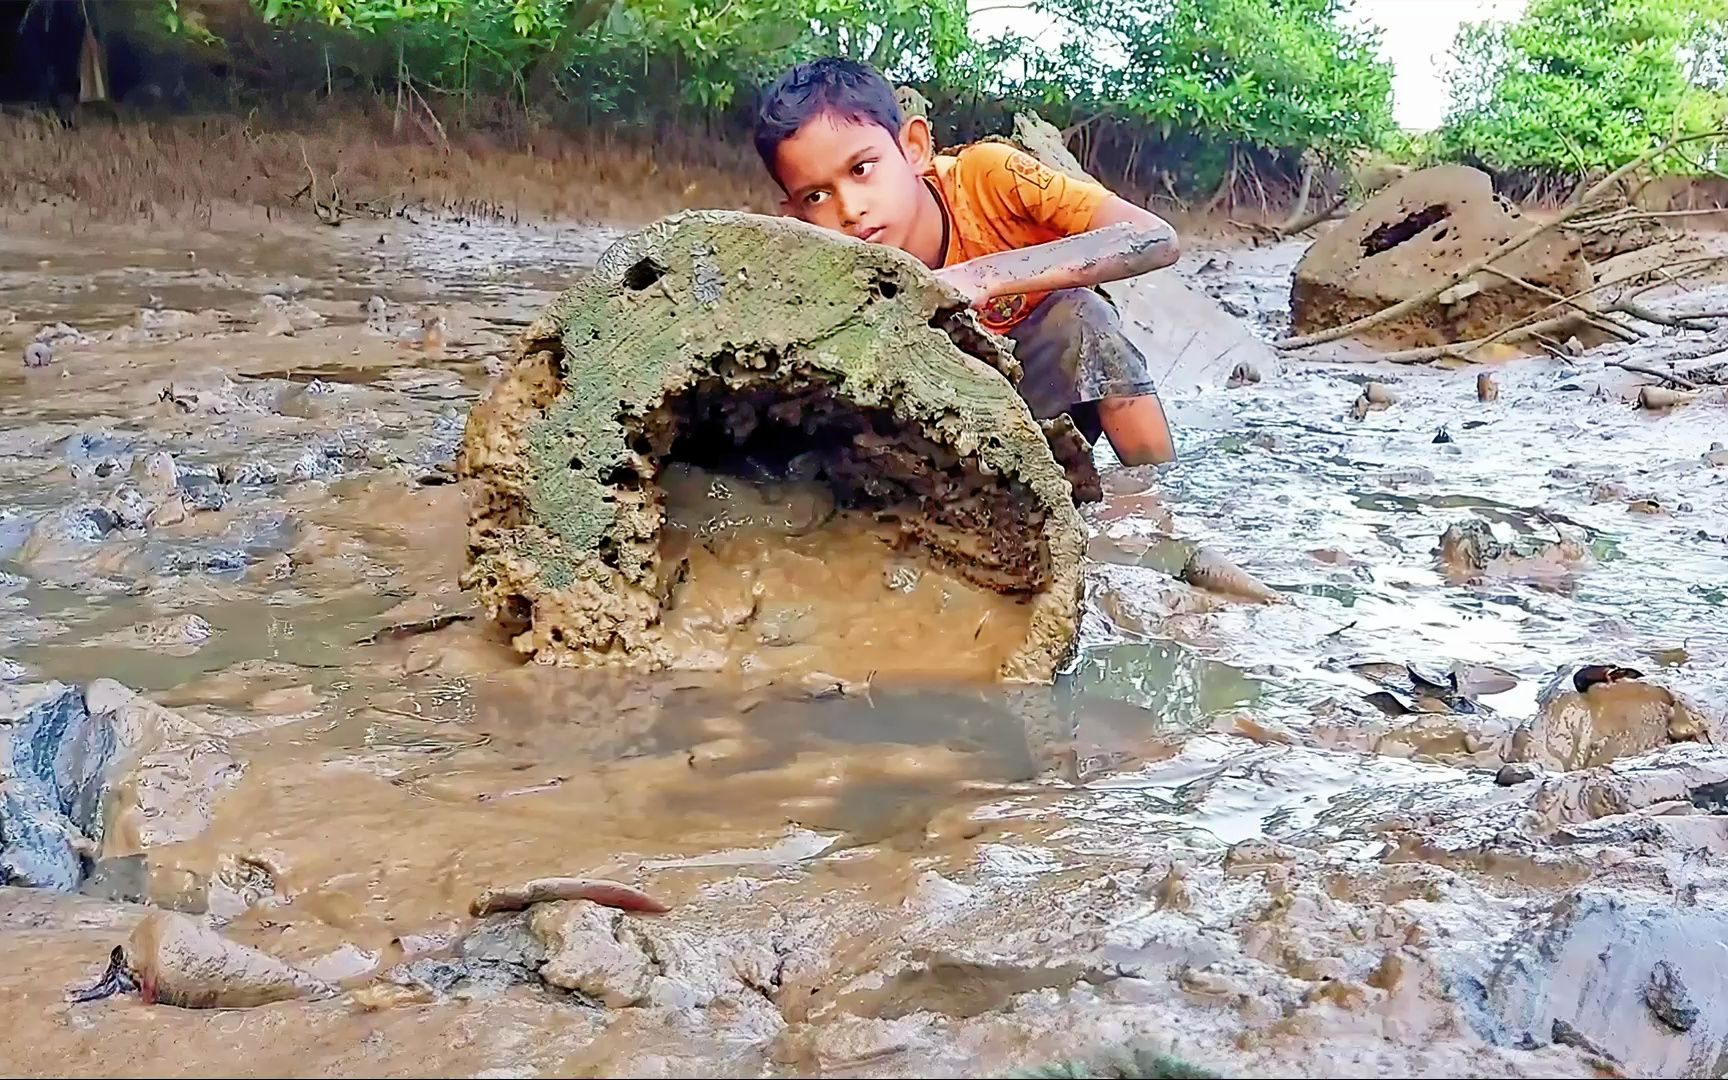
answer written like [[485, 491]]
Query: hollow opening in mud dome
[[806, 532]]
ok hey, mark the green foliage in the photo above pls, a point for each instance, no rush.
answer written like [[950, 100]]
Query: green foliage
[[611, 51], [1274, 74], [1578, 86]]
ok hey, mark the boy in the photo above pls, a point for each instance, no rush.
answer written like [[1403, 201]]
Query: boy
[[1024, 242]]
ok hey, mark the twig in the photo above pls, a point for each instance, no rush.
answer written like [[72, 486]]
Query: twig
[[1577, 209], [1590, 317], [1461, 350], [1298, 209], [1685, 320], [1640, 369], [1619, 216]]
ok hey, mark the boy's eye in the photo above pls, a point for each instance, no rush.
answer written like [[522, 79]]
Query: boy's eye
[[815, 198], [863, 168]]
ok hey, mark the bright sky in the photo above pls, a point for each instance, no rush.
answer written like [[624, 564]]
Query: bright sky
[[1417, 35]]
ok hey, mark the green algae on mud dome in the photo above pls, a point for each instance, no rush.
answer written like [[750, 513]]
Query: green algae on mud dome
[[712, 337]]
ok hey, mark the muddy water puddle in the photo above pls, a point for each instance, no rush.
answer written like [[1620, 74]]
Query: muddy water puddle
[[1207, 827]]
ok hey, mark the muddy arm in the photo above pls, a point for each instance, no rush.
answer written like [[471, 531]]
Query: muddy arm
[[1123, 242]]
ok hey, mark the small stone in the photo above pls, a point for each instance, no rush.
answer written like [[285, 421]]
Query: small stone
[[1573, 346], [1242, 375], [1667, 998], [1486, 388], [1514, 773], [37, 354]]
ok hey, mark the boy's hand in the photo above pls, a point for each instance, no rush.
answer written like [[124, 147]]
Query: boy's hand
[[965, 279]]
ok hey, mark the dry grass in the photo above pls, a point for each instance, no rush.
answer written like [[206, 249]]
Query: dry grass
[[185, 167]]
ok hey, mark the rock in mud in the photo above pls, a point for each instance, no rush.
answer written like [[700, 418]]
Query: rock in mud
[[1469, 552], [586, 951], [180, 961], [37, 354], [53, 755], [1413, 236], [1619, 971], [1610, 721], [714, 333], [1668, 1000], [86, 771], [280, 315]]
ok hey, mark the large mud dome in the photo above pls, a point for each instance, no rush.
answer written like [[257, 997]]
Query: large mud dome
[[1408, 239], [736, 343]]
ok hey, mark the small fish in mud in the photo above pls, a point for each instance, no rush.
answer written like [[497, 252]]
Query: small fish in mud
[[1486, 388], [1378, 393], [1443, 435], [1594, 674], [116, 980], [38, 354], [1242, 375], [613, 894], [1209, 570], [180, 961], [1661, 397]]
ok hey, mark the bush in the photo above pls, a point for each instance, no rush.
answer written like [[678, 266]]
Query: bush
[[1581, 86]]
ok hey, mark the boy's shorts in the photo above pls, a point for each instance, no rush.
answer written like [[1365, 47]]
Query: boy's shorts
[[1072, 352]]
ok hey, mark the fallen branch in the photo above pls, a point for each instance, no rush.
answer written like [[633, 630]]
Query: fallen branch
[[1577, 209], [1461, 350], [1684, 320], [1607, 326], [1640, 369], [1621, 216]]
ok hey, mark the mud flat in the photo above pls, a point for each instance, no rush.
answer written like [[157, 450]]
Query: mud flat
[[1374, 828]]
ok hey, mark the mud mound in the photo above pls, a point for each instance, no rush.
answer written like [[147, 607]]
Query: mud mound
[[1410, 238], [733, 343]]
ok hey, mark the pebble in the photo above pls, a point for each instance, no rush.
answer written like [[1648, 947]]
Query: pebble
[[1514, 773], [1667, 998], [37, 354]]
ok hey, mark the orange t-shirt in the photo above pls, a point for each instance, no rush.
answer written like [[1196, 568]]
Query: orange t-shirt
[[1000, 198]]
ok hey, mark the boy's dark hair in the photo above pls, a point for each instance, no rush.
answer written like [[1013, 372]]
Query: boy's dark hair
[[846, 88]]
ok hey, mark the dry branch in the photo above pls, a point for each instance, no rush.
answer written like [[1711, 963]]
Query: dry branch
[[1640, 369], [1607, 326]]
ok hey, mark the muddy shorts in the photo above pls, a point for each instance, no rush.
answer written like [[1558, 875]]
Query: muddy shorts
[[1072, 352]]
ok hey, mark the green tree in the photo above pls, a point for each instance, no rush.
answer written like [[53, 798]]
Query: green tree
[[1577, 86], [1281, 75]]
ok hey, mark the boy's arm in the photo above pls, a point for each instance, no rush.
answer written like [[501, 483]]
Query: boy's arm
[[1122, 241]]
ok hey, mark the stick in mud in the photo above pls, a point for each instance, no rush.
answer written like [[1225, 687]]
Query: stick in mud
[[613, 894]]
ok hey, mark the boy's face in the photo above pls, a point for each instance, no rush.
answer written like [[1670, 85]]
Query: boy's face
[[854, 177]]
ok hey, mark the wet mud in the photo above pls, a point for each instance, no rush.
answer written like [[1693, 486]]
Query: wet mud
[[258, 737]]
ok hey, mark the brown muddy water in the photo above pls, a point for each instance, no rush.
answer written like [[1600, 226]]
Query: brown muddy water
[[1210, 837]]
